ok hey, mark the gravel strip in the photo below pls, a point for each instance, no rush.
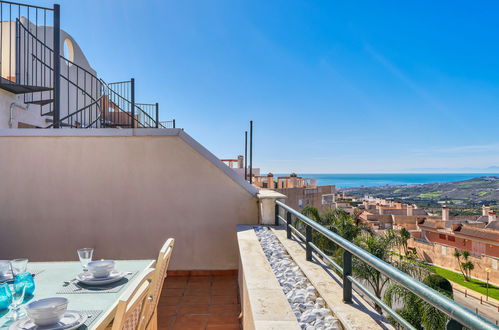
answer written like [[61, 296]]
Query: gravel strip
[[309, 308]]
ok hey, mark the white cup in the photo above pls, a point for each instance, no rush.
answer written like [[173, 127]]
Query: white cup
[[100, 268]]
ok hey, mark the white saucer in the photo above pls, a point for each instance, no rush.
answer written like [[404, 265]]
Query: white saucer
[[70, 320], [88, 279]]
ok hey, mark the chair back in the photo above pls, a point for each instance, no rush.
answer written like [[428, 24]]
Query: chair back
[[130, 310], [159, 277]]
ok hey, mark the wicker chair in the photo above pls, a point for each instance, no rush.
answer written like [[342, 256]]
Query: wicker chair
[[130, 310], [151, 311]]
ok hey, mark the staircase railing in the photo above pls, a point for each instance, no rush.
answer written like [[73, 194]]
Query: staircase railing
[[36, 68], [24, 31], [72, 95], [117, 111], [167, 124], [16, 45], [148, 114]]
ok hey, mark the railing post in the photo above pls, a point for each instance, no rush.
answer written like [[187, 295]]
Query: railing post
[[132, 96], [245, 155], [308, 237], [251, 153], [157, 115], [347, 271], [18, 53], [276, 214], [56, 117], [288, 225], [173, 123]]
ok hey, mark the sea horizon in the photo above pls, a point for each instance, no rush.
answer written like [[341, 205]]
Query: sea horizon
[[352, 180]]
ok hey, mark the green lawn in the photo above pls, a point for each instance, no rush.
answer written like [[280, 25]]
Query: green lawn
[[474, 285], [430, 195]]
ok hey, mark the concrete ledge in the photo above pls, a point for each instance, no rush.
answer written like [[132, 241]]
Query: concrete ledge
[[358, 315], [270, 194], [263, 303], [90, 132]]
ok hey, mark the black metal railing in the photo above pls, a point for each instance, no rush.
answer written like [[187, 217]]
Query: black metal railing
[[81, 99], [119, 110], [148, 114], [456, 312], [36, 69], [167, 124], [31, 64], [24, 33], [16, 45]]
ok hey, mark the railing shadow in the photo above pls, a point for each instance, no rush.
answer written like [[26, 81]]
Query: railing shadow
[[357, 303]]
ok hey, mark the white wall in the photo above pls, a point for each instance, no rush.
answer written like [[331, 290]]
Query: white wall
[[123, 192]]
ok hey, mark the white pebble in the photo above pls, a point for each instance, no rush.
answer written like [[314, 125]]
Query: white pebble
[[304, 300]]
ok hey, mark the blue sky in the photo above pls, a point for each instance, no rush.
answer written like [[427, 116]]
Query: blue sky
[[332, 86]]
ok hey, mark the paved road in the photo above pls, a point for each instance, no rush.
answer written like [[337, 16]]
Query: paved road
[[489, 312]]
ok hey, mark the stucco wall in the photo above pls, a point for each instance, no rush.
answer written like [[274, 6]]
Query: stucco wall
[[433, 253], [312, 198], [122, 194]]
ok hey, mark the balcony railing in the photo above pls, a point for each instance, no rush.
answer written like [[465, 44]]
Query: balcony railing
[[456, 312]]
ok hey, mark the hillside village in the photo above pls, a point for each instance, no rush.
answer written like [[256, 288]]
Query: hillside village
[[434, 237], [468, 194]]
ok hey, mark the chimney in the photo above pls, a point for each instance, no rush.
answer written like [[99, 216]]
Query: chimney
[[409, 210], [270, 181], [379, 208], [240, 161], [485, 210], [492, 217], [445, 213]]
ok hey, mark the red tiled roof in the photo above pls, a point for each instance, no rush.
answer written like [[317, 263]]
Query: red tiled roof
[[484, 233]]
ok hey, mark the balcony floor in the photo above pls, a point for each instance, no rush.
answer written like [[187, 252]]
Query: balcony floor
[[199, 302]]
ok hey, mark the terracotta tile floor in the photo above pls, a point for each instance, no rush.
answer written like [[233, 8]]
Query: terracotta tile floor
[[199, 302]]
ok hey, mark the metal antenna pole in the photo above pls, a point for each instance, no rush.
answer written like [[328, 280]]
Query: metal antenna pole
[[251, 153], [245, 155]]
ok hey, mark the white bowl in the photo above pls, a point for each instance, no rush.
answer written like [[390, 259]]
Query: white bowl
[[47, 311], [101, 268]]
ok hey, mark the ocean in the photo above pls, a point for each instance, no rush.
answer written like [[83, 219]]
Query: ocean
[[372, 180]]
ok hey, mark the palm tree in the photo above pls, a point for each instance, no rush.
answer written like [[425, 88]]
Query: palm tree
[[468, 266], [457, 254], [379, 246], [339, 222], [312, 213], [415, 310], [465, 266], [403, 238]]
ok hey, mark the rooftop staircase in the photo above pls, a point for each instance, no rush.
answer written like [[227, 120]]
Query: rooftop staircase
[[67, 94]]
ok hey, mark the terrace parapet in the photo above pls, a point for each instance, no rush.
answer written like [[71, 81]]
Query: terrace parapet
[[267, 199]]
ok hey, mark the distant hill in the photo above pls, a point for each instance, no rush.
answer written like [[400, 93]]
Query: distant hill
[[468, 193]]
